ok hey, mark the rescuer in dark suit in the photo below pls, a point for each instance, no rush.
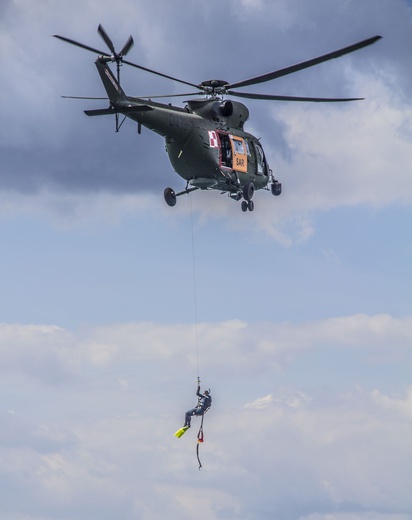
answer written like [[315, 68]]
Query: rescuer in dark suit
[[203, 404]]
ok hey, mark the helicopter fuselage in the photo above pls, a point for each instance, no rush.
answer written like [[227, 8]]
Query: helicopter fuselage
[[206, 153]]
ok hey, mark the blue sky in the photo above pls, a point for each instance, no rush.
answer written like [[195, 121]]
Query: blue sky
[[303, 307]]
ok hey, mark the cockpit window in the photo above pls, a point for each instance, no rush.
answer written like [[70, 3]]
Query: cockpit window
[[238, 146], [260, 160]]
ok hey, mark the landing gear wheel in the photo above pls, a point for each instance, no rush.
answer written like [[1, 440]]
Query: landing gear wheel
[[276, 188], [248, 191], [244, 205], [170, 197], [251, 205]]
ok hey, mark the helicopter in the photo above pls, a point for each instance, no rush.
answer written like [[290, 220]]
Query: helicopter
[[205, 140]]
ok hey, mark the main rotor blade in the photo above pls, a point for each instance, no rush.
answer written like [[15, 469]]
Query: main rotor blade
[[73, 42], [106, 38], [127, 46], [270, 97], [160, 74], [165, 96], [82, 97], [305, 64]]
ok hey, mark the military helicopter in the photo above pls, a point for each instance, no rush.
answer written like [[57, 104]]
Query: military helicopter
[[205, 140]]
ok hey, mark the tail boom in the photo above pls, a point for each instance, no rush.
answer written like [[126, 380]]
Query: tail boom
[[110, 83]]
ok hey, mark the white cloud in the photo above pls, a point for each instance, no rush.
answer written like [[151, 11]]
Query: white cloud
[[358, 515], [261, 403], [351, 158], [49, 350], [395, 404]]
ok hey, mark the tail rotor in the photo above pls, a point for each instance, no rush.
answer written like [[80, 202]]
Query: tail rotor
[[104, 57], [115, 57]]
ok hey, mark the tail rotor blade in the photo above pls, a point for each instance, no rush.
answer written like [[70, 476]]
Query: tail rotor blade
[[106, 38], [127, 46]]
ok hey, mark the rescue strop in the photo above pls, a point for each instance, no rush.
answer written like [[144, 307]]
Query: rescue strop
[[200, 439], [200, 435]]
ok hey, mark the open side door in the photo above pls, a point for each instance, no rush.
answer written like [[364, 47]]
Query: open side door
[[225, 149]]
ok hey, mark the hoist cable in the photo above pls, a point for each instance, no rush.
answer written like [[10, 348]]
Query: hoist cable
[[200, 432], [194, 287]]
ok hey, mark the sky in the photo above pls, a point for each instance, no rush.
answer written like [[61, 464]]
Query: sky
[[297, 316]]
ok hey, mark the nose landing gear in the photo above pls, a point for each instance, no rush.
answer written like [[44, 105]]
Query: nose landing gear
[[247, 205], [248, 191]]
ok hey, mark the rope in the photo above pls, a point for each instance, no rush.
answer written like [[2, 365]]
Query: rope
[[194, 288], [200, 432]]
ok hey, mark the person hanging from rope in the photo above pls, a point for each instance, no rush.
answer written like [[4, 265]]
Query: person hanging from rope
[[204, 402]]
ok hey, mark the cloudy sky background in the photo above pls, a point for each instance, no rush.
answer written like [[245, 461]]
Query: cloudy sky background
[[298, 315]]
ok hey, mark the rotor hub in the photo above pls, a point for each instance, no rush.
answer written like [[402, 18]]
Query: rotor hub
[[214, 87]]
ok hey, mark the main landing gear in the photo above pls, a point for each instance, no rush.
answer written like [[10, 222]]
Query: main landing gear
[[170, 196], [276, 188]]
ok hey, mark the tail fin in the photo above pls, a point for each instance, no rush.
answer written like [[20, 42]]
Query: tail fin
[[110, 83]]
